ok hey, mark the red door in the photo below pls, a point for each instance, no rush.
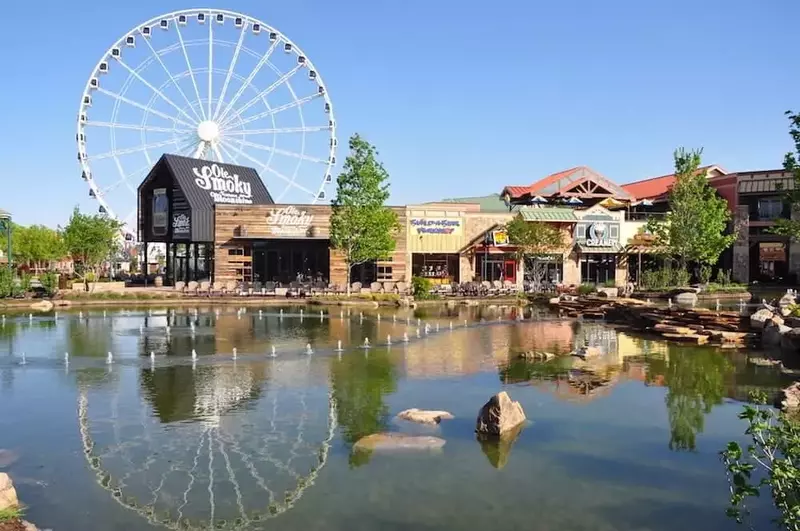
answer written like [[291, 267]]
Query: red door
[[510, 271]]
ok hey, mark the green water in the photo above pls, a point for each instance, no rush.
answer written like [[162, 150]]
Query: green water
[[627, 441]]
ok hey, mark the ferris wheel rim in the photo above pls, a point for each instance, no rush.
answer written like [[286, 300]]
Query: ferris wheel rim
[[249, 21]]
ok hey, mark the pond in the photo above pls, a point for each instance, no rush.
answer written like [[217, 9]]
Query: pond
[[156, 438]]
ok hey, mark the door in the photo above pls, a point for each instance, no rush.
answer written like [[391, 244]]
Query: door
[[510, 271]]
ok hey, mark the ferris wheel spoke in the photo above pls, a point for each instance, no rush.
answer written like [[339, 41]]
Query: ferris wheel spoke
[[146, 83], [138, 105], [210, 64], [171, 77], [280, 108], [249, 80], [279, 151], [200, 150], [271, 170], [215, 148], [230, 69], [135, 127], [280, 81], [277, 131], [189, 67], [128, 151], [228, 153]]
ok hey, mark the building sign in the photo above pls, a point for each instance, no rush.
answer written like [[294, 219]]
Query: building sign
[[160, 211], [436, 225], [222, 185], [499, 238], [289, 221], [597, 234], [181, 225], [772, 252]]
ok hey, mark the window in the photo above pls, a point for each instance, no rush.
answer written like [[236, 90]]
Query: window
[[384, 273], [771, 208], [581, 232], [613, 232], [238, 251]]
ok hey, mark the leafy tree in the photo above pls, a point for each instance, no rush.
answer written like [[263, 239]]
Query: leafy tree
[[534, 239], [362, 227], [694, 229], [38, 246], [791, 163], [91, 240]]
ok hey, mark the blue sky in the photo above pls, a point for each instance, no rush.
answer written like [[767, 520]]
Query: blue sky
[[460, 98]]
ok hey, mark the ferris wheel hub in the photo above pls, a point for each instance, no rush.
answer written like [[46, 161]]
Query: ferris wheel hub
[[208, 131]]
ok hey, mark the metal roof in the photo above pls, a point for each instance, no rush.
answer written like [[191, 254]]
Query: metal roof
[[487, 203], [608, 249], [547, 214], [4, 214], [762, 186]]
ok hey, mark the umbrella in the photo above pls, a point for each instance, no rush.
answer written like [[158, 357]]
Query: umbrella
[[646, 202], [538, 200], [574, 201]]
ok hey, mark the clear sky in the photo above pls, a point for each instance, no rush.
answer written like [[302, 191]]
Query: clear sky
[[460, 97]]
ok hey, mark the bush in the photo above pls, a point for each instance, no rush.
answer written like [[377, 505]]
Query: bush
[[586, 288], [610, 284], [704, 274], [6, 282], [680, 278], [49, 282], [421, 288], [723, 277]]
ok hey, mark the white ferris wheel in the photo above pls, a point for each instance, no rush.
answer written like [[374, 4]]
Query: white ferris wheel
[[205, 83]]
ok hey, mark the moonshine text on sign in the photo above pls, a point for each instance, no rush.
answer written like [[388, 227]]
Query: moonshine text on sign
[[223, 186], [181, 225], [436, 225], [289, 221]]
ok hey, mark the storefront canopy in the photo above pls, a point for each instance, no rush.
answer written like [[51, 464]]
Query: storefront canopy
[[604, 249], [555, 214], [177, 198]]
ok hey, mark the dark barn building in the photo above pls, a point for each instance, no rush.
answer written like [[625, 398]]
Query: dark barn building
[[176, 203]]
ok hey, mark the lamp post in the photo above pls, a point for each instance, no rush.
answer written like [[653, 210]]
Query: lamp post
[[5, 223]]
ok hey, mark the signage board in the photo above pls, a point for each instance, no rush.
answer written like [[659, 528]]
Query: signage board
[[499, 238], [160, 211], [222, 185], [599, 234], [436, 225], [772, 252], [181, 225], [289, 221]]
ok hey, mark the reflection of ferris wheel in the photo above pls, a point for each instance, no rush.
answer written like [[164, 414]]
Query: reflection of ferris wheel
[[205, 83]]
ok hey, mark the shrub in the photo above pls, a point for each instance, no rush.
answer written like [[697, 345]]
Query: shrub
[[610, 284], [723, 277], [679, 277], [49, 282], [421, 288], [6, 282], [704, 274], [586, 288]]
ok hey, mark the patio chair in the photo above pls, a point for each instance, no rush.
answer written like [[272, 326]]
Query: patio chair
[[257, 288], [510, 287], [401, 288], [230, 287], [218, 288], [243, 289], [269, 288], [191, 287], [375, 287], [204, 288], [355, 287], [498, 287], [487, 289], [180, 286], [388, 287]]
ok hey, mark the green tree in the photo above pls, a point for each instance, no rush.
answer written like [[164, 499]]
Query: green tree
[[534, 239], [38, 246], [694, 229], [91, 240], [363, 229], [791, 163]]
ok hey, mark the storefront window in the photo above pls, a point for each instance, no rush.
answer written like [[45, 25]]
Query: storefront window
[[598, 268], [500, 266], [544, 271], [436, 267]]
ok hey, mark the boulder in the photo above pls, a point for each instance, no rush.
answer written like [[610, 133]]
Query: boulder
[[789, 398], [42, 306], [790, 341], [588, 352], [786, 301], [424, 416], [397, 441], [772, 333], [536, 355], [499, 415], [687, 298], [764, 362], [609, 293], [8, 495], [758, 319]]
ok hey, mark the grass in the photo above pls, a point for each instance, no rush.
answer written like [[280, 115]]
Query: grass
[[10, 513], [725, 288]]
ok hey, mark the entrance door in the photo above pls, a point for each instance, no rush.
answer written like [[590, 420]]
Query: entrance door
[[510, 271]]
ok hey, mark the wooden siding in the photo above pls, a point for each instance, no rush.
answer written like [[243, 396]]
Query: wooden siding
[[233, 220]]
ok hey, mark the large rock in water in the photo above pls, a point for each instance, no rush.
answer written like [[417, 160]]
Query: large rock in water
[[397, 441], [789, 398], [687, 298], [790, 341], [424, 416], [758, 319], [499, 415], [773, 333], [8, 495]]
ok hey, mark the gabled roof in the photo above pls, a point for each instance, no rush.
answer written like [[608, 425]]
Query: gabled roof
[[4, 214], [578, 181], [657, 187]]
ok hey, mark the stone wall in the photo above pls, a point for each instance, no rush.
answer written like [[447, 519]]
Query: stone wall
[[741, 247]]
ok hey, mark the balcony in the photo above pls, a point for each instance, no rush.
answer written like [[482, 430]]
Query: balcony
[[644, 216]]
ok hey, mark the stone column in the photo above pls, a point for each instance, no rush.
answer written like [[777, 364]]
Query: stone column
[[741, 247], [572, 271]]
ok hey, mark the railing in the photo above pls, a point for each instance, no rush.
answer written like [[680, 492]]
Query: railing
[[644, 216]]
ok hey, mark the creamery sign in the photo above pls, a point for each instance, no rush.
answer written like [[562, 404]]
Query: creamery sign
[[289, 221]]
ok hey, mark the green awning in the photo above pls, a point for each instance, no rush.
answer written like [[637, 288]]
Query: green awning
[[605, 249], [548, 214]]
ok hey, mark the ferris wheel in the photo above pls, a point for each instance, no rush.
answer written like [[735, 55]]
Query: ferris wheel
[[205, 83]]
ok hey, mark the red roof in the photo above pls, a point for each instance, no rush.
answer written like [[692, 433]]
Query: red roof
[[519, 191], [656, 187]]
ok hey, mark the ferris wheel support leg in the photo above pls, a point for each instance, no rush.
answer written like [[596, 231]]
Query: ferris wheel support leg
[[201, 148]]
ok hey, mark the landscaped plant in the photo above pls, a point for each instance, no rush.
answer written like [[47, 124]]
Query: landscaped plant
[[704, 274], [421, 288], [532, 240], [586, 288], [680, 278], [6, 282], [723, 277], [49, 282], [771, 456]]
